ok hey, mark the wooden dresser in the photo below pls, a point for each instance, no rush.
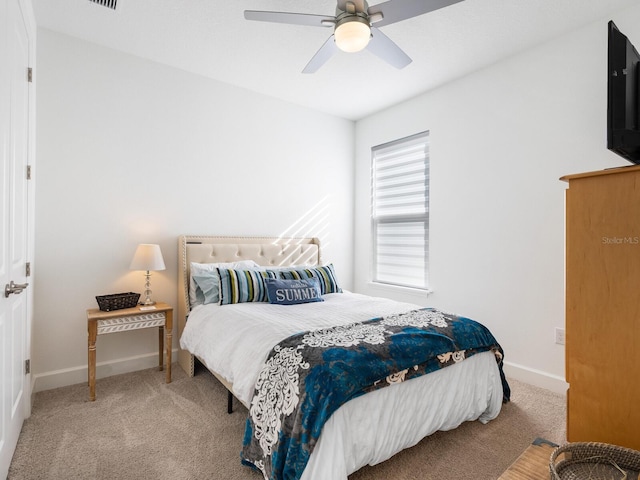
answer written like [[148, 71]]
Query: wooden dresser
[[603, 306]]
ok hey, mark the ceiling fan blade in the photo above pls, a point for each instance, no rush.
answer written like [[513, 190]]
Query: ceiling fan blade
[[387, 50], [320, 58], [397, 10], [292, 18]]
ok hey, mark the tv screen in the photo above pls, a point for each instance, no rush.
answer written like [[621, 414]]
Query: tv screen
[[623, 126]]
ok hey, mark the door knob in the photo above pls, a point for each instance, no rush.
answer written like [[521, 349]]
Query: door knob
[[13, 287]]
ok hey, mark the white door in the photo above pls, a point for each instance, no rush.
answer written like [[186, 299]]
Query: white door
[[14, 251]]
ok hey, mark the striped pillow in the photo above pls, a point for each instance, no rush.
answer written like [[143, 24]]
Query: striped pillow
[[239, 286], [326, 275]]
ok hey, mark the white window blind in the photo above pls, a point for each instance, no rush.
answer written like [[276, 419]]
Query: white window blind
[[400, 212]]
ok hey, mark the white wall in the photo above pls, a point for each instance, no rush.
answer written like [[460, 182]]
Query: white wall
[[500, 140], [130, 151]]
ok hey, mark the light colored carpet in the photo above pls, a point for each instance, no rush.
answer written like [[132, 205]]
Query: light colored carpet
[[141, 428]]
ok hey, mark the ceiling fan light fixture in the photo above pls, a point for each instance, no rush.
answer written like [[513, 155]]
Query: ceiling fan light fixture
[[352, 34]]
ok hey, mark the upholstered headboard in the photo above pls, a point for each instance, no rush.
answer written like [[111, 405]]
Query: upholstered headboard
[[265, 251]]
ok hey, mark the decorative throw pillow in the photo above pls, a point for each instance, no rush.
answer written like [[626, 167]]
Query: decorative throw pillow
[[239, 286], [291, 292], [208, 275], [326, 275]]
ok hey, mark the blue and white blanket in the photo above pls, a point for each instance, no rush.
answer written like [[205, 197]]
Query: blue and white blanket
[[311, 374]]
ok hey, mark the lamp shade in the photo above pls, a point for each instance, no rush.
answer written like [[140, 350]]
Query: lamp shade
[[147, 257]]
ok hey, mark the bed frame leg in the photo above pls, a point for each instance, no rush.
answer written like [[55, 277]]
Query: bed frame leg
[[229, 402]]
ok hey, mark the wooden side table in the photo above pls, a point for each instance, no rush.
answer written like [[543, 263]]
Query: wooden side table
[[99, 323]]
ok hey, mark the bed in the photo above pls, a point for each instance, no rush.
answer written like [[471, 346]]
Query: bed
[[236, 342]]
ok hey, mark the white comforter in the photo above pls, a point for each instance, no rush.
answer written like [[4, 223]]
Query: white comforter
[[235, 340]]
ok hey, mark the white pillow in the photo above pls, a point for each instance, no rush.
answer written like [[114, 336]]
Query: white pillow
[[196, 295]]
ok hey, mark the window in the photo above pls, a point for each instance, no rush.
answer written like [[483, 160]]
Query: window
[[400, 212]]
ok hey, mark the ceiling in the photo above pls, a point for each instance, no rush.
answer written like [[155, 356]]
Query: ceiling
[[212, 38]]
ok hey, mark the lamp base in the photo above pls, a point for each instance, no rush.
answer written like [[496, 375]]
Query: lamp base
[[147, 292]]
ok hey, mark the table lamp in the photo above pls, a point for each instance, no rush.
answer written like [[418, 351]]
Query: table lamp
[[148, 257]]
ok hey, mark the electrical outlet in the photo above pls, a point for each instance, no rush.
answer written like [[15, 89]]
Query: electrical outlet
[[560, 336]]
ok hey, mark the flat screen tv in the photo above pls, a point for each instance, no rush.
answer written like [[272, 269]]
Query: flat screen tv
[[623, 96]]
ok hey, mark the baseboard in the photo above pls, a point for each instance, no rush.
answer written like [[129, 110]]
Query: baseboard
[[72, 376], [536, 377]]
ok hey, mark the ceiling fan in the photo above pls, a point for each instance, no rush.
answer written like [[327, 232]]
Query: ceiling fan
[[356, 27]]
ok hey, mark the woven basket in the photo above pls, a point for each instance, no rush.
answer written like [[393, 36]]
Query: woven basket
[[117, 301], [594, 461]]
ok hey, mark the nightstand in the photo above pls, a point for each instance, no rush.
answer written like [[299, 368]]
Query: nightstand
[[100, 323]]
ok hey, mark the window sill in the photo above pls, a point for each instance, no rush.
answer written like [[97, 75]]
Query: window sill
[[418, 293]]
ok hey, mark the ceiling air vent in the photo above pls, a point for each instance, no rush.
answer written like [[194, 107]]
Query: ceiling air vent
[[106, 3]]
